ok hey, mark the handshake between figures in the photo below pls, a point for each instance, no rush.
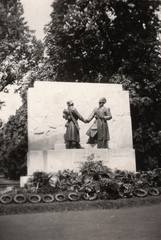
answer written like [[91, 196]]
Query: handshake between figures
[[86, 121]]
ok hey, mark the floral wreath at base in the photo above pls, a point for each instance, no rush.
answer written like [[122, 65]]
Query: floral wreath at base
[[34, 198], [154, 192], [60, 197], [48, 198], [73, 196], [6, 199], [90, 196], [19, 198], [140, 192]]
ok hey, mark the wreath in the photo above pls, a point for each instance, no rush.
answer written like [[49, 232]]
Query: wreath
[[153, 192], [140, 192], [73, 196], [34, 198], [90, 196], [6, 198], [19, 198], [48, 198], [60, 197]]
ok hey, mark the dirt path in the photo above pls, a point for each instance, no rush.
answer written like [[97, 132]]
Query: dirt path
[[142, 223]]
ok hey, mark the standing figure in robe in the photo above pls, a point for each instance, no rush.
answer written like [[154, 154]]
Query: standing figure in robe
[[72, 136], [99, 131]]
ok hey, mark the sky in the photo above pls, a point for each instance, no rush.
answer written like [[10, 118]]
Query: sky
[[37, 14]]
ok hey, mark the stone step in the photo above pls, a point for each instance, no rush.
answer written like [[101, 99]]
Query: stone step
[[62, 146]]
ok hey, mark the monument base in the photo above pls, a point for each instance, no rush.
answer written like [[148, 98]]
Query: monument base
[[52, 161], [23, 180], [58, 159]]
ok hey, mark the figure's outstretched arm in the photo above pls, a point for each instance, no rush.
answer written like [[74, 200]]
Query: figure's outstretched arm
[[79, 116], [91, 116], [108, 115]]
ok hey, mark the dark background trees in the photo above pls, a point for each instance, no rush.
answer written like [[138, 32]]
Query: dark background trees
[[113, 41], [19, 49], [14, 144], [20, 53]]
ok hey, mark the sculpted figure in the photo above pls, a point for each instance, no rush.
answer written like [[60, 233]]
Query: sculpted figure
[[72, 136], [99, 130]]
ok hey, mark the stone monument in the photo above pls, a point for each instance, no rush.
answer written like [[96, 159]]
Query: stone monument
[[46, 127]]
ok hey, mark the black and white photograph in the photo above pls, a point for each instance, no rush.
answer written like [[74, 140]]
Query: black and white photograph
[[80, 119]]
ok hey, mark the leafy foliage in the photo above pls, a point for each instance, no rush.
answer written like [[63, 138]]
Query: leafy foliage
[[14, 143], [40, 179], [19, 49], [92, 168], [112, 186], [90, 40], [117, 42], [20, 53]]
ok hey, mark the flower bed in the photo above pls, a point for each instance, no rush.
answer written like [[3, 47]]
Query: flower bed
[[93, 182]]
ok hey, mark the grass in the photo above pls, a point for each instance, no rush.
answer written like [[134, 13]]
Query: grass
[[27, 208]]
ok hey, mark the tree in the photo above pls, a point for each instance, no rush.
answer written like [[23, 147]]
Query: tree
[[20, 54], [91, 38], [113, 41], [75, 40], [140, 73], [14, 143], [19, 49]]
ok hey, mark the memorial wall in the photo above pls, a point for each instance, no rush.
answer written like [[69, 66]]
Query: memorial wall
[[46, 126], [47, 100]]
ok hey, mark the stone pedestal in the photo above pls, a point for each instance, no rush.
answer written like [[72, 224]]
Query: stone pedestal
[[46, 126], [52, 161]]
